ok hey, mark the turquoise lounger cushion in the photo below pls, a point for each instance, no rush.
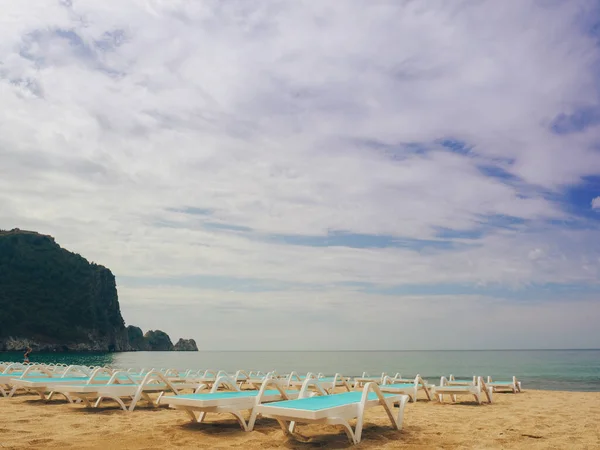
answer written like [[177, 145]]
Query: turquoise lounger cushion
[[43, 379], [508, 383], [325, 402], [399, 385], [48, 379], [455, 388], [232, 394]]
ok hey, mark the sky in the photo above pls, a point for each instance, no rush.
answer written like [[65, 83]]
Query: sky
[[313, 175]]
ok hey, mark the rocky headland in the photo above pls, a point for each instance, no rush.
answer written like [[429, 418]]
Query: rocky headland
[[55, 300]]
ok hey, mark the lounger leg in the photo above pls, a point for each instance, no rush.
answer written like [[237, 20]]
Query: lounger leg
[[3, 392], [192, 415], [240, 420], [353, 436], [286, 431], [53, 393], [135, 399], [201, 417], [400, 416], [252, 420], [121, 404], [146, 397]]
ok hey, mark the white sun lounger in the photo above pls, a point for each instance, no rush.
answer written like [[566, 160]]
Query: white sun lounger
[[8, 379], [335, 409], [366, 378], [327, 383], [295, 379], [514, 385], [256, 379], [121, 386], [479, 390], [410, 389], [43, 385], [232, 402], [451, 381]]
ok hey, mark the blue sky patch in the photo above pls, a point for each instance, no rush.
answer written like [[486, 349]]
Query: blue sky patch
[[577, 121], [455, 146]]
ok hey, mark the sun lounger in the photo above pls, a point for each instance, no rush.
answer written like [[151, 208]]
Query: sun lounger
[[327, 383], [410, 389], [7, 380], [366, 378], [122, 386], [256, 379], [514, 385], [451, 381], [232, 401], [48, 384], [294, 379], [335, 409], [400, 379], [208, 377], [479, 390], [330, 383]]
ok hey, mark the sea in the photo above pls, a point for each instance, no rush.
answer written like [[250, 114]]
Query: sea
[[563, 370]]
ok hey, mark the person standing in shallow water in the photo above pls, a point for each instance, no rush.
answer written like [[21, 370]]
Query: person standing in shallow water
[[26, 355]]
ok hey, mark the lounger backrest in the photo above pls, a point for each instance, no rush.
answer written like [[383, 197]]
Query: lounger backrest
[[100, 371], [271, 383], [224, 380], [36, 368], [308, 382]]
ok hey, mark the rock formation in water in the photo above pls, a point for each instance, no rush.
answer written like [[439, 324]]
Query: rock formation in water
[[55, 300], [158, 341], [186, 345], [137, 342]]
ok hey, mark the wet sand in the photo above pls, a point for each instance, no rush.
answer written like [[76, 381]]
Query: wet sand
[[532, 419]]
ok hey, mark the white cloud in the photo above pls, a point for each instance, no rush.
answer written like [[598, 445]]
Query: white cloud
[[596, 203], [295, 118]]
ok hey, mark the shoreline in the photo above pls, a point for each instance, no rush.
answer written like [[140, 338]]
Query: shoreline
[[532, 419]]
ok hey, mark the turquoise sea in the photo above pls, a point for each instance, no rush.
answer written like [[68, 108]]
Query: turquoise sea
[[573, 370]]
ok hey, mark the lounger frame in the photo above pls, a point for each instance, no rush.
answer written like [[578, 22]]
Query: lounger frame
[[338, 415]]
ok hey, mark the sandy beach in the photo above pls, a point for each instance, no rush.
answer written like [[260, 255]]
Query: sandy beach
[[532, 419]]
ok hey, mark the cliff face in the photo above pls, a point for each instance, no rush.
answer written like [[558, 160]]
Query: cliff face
[[52, 299]]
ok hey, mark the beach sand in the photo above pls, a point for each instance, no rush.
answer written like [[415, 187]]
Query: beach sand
[[532, 419]]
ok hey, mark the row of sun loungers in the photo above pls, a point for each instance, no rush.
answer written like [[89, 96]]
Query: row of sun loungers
[[289, 399]]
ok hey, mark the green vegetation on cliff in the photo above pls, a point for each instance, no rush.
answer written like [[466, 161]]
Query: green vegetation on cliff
[[50, 295]]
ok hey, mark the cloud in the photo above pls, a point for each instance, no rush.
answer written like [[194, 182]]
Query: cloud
[[596, 203], [301, 146]]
